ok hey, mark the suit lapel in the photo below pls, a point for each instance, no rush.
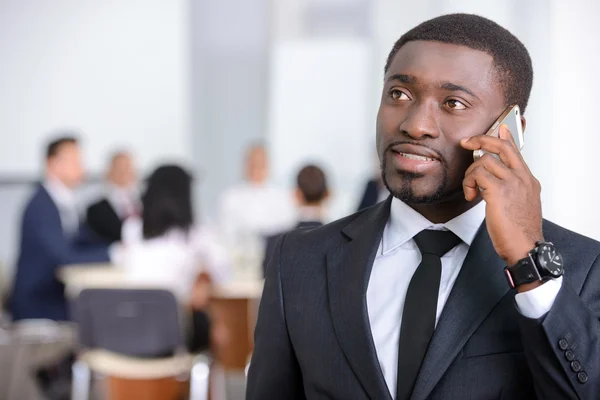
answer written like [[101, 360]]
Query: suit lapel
[[478, 289], [348, 271]]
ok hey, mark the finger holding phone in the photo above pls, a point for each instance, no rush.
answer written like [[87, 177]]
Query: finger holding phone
[[511, 192]]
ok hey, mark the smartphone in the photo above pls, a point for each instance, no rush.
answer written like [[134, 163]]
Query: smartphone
[[512, 118]]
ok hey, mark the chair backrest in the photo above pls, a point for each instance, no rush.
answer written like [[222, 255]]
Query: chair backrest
[[134, 322]]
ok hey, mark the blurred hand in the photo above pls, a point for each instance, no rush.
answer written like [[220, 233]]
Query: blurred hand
[[511, 192], [201, 292]]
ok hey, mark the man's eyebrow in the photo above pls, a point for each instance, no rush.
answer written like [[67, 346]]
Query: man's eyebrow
[[402, 78], [457, 88]]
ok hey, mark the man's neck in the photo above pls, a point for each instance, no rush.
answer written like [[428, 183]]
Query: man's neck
[[440, 213], [56, 181], [311, 212], [119, 188]]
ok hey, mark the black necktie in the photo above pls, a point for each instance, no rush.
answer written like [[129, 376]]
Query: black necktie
[[418, 317]]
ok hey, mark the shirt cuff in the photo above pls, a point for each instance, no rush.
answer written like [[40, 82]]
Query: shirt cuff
[[115, 253], [535, 303]]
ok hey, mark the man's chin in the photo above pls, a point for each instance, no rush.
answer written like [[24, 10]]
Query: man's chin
[[414, 197]]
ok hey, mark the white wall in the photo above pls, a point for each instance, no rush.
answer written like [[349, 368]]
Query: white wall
[[575, 134], [318, 113], [117, 71]]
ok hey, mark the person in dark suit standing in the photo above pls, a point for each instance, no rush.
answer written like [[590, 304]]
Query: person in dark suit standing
[[106, 216], [311, 195], [374, 192], [455, 287], [51, 237]]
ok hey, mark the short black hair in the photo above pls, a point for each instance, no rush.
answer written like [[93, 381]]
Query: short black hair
[[54, 146], [511, 58], [167, 201], [312, 183]]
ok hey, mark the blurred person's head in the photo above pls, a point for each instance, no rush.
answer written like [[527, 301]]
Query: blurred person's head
[[121, 171], [63, 161], [257, 164], [311, 186], [167, 201], [447, 79]]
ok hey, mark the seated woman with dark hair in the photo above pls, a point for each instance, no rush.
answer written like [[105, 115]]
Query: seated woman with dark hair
[[165, 247]]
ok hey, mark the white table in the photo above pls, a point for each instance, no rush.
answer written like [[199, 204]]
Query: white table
[[83, 276]]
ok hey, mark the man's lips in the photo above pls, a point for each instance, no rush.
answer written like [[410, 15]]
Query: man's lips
[[413, 158], [415, 152]]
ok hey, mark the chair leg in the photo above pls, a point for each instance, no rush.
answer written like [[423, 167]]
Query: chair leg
[[82, 378], [199, 379]]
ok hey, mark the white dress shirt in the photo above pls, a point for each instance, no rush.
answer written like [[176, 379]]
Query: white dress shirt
[[65, 200], [255, 210], [125, 202], [395, 263], [173, 260]]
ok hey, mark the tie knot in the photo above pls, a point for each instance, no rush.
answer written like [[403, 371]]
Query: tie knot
[[436, 242]]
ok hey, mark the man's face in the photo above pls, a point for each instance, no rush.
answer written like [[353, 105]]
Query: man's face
[[122, 171], [257, 165], [66, 165], [434, 95]]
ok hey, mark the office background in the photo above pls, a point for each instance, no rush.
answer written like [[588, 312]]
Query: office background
[[198, 80]]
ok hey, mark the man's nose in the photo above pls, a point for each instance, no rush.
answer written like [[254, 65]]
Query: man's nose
[[421, 121]]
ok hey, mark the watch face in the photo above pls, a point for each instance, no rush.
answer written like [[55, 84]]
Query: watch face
[[550, 260]]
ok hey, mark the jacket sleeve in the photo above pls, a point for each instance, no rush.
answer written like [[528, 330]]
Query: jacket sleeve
[[563, 347], [57, 247], [274, 371]]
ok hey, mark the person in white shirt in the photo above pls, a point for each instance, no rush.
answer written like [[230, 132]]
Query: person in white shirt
[[165, 247], [254, 209], [106, 216], [455, 287]]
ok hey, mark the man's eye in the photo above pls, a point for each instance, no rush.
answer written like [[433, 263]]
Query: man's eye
[[455, 105], [397, 94]]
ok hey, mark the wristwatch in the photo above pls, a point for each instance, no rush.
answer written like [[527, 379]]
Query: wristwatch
[[542, 263]]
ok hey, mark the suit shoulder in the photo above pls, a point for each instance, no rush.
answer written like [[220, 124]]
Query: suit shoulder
[[38, 199], [98, 204], [320, 237], [565, 237]]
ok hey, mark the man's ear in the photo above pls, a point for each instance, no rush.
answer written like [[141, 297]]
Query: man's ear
[[299, 197], [523, 122]]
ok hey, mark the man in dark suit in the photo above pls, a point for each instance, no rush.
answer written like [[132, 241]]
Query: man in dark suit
[[106, 216], [311, 194], [52, 237], [451, 288]]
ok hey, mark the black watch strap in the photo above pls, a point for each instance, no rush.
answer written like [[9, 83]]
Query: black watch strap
[[523, 272]]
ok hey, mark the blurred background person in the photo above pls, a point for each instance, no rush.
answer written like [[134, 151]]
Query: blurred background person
[[374, 191], [51, 237], [254, 209], [311, 196], [106, 216], [167, 248]]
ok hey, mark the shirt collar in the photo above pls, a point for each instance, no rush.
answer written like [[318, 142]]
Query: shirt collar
[[59, 192], [310, 213], [404, 223]]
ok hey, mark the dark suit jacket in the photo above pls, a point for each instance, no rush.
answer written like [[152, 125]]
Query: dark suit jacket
[[44, 247], [313, 338], [103, 219], [272, 240]]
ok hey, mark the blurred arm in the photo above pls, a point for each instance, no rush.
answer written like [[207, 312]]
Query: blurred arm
[[53, 242]]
